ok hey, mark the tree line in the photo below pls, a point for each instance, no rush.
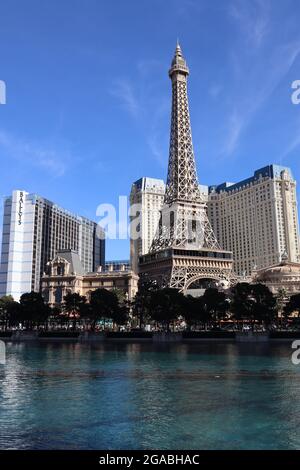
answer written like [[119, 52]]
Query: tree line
[[162, 308], [251, 303], [32, 312]]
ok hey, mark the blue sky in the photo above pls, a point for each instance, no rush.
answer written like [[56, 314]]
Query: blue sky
[[88, 93]]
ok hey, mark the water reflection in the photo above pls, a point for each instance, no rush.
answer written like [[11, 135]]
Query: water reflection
[[139, 395]]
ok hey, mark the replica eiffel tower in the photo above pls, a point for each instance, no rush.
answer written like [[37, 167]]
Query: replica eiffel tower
[[185, 249]]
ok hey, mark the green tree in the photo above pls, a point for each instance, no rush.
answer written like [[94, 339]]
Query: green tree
[[104, 306], [293, 305], [215, 304], [55, 315], [166, 305], [194, 312], [242, 302], [142, 300], [121, 295], [72, 306], [264, 304], [5, 311], [253, 302], [14, 314], [33, 311], [86, 313], [120, 315]]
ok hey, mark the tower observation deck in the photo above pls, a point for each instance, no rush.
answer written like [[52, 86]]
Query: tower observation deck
[[185, 249]]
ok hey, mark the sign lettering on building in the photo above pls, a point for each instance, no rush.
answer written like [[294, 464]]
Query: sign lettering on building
[[20, 212]]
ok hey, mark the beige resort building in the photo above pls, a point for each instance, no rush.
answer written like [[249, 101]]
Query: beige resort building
[[65, 274], [281, 276], [256, 219]]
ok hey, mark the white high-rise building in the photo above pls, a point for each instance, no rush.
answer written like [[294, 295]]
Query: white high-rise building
[[257, 219], [34, 230], [148, 194]]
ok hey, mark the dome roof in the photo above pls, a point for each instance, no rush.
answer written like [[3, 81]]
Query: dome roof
[[283, 270]]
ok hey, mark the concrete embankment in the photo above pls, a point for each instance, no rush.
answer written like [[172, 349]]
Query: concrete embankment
[[150, 337]]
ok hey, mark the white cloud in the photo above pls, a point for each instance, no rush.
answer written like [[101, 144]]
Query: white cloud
[[252, 18], [34, 154], [256, 88], [157, 150], [123, 90], [148, 105], [235, 126], [293, 144]]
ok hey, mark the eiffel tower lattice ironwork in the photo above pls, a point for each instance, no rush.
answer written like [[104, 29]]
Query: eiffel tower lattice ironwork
[[185, 240], [183, 206]]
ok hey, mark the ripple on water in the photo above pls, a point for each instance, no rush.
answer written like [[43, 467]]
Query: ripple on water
[[147, 396]]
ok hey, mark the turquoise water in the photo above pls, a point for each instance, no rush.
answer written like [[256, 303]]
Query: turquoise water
[[144, 396]]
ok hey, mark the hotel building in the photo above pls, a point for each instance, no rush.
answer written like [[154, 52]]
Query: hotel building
[[34, 230], [256, 219], [146, 199]]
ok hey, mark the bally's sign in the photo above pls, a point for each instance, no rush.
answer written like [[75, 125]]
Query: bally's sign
[[20, 211]]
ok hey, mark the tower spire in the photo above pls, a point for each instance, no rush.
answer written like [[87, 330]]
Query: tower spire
[[183, 206], [182, 181], [178, 64]]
